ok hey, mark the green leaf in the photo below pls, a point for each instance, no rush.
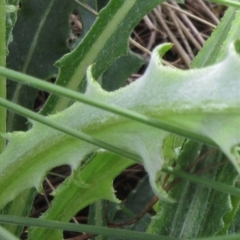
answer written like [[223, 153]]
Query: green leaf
[[101, 46], [33, 50], [20, 206], [200, 105], [216, 47], [39, 39], [232, 3], [3, 54], [5, 235], [179, 219], [11, 18], [235, 224], [97, 215], [8, 15], [197, 205], [90, 182], [190, 151], [219, 215]]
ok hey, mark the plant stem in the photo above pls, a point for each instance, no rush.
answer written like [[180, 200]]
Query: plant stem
[[205, 182], [105, 231], [2, 78]]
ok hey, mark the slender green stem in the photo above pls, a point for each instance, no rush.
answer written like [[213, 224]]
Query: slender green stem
[[229, 3], [2, 78], [205, 182], [125, 234], [38, 83], [105, 231], [44, 120], [227, 237]]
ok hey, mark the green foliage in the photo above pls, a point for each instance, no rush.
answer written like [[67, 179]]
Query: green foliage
[[39, 41], [201, 104], [224, 34], [2, 79], [85, 188], [197, 205], [101, 46]]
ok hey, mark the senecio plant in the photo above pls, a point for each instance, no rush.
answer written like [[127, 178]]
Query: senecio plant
[[165, 120]]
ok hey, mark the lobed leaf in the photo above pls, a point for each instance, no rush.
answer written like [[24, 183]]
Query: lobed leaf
[[200, 101], [106, 41], [88, 183]]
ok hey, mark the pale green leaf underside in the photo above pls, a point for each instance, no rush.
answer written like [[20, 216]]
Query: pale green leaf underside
[[205, 102], [90, 182]]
